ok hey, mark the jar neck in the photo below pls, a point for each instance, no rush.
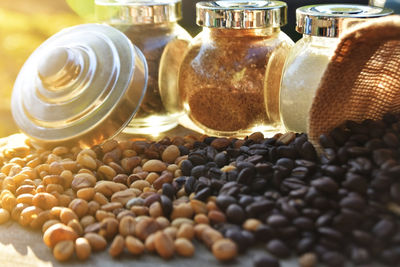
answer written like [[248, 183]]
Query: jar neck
[[223, 32]]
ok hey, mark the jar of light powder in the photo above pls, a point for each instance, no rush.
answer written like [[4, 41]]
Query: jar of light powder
[[321, 26]]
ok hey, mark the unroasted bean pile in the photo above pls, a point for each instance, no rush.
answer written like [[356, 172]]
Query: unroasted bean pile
[[143, 197]]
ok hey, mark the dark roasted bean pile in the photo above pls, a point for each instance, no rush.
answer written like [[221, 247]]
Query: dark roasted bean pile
[[340, 206]]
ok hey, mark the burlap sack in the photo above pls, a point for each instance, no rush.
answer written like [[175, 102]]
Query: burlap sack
[[362, 81]]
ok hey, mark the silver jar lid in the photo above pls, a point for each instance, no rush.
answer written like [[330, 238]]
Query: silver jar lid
[[83, 85], [326, 20], [138, 11], [241, 14]]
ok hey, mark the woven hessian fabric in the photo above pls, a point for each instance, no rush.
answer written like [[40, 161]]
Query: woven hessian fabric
[[362, 81]]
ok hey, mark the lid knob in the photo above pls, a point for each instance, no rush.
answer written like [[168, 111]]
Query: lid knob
[[58, 67], [53, 62]]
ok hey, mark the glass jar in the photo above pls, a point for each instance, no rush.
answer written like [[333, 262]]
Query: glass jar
[[321, 26], [232, 69], [150, 25]]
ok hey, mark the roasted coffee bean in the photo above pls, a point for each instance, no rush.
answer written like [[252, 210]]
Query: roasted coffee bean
[[186, 167], [286, 162], [257, 208], [235, 213], [166, 205], [264, 233], [329, 156], [359, 255], [395, 192], [190, 184], [333, 258], [327, 141], [308, 151], [263, 167], [278, 248], [305, 244], [236, 236], [198, 171], [197, 159], [246, 176], [221, 159], [304, 223], [277, 220], [168, 190], [244, 201], [203, 194], [214, 173], [383, 228], [325, 185], [355, 182]]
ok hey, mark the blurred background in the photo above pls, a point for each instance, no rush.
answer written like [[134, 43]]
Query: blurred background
[[25, 24]]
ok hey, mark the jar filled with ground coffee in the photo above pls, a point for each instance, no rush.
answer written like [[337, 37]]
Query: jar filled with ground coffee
[[150, 25], [231, 73], [321, 26]]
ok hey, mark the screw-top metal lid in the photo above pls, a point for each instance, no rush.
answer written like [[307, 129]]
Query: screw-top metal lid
[[138, 11], [241, 14], [83, 84], [326, 20]]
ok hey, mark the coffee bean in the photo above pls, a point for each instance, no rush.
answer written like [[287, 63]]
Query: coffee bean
[[308, 151], [186, 167], [190, 184], [278, 248], [286, 152], [305, 245], [235, 214], [383, 228], [330, 233], [168, 190], [203, 194], [223, 201], [395, 192], [277, 220], [256, 208], [326, 141], [329, 156], [380, 156], [198, 171], [221, 159], [354, 201], [264, 233], [355, 182], [166, 205], [339, 136], [286, 162], [334, 259], [304, 223], [245, 176], [236, 236], [359, 255], [325, 185]]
